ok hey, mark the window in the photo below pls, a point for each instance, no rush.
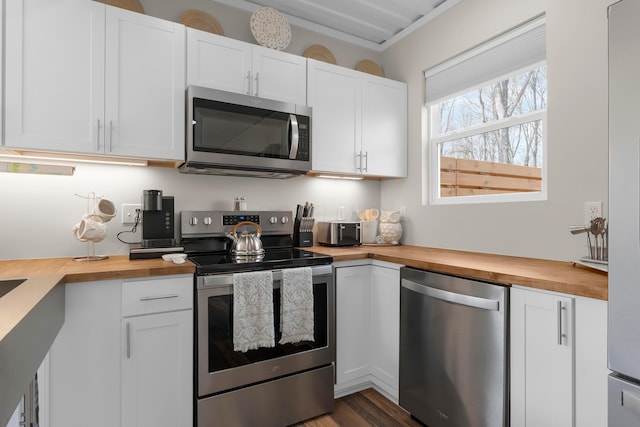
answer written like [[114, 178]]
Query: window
[[487, 121]]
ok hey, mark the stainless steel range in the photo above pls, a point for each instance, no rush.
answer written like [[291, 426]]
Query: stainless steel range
[[266, 386]]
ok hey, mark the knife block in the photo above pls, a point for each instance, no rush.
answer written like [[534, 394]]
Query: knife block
[[301, 239]]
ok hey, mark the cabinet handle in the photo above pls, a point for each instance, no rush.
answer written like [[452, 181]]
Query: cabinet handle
[[155, 297], [248, 82], [128, 333], [366, 161], [98, 137], [359, 162], [562, 335], [110, 135], [257, 83]]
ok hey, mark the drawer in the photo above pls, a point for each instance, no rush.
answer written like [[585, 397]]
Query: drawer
[[160, 294]]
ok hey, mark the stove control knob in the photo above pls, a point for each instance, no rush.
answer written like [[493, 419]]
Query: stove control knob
[[284, 219], [193, 221], [273, 220], [207, 220]]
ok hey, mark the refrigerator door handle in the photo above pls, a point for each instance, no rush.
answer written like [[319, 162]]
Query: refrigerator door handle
[[630, 401]]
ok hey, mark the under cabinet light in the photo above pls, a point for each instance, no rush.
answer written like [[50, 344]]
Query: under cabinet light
[[38, 169], [19, 157], [349, 178]]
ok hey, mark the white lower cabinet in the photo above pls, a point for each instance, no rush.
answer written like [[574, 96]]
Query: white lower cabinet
[[84, 360], [558, 360], [385, 325], [367, 324], [353, 323], [591, 362], [156, 370], [157, 357], [124, 356]]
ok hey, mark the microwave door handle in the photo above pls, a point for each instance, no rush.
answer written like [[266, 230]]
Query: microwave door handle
[[293, 123]]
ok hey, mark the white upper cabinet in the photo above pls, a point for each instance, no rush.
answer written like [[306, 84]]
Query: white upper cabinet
[[144, 94], [219, 62], [359, 122], [93, 79], [384, 126], [279, 75], [335, 94], [54, 68]]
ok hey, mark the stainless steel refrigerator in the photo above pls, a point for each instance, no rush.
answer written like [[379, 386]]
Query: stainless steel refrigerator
[[624, 214]]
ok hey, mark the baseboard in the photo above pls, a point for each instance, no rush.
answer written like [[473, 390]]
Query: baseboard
[[363, 383]]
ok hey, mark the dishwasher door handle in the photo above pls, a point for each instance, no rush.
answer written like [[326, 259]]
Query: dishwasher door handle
[[453, 297]]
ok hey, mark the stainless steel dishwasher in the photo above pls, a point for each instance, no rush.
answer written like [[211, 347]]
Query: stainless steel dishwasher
[[453, 350]]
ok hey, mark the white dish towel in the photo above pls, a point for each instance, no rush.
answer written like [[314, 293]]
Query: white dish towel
[[296, 308], [253, 310]]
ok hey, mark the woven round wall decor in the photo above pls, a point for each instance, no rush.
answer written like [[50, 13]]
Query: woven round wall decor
[[270, 28]]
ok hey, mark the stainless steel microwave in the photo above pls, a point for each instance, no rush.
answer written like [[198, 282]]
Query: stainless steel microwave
[[242, 135]]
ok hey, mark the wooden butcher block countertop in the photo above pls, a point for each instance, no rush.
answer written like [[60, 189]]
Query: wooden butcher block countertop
[[44, 274], [549, 275]]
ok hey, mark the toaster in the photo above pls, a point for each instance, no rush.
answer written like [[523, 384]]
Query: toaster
[[340, 233]]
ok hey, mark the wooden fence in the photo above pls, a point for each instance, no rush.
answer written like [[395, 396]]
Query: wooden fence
[[461, 177]]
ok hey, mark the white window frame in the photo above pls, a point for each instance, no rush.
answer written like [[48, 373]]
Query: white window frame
[[431, 157]]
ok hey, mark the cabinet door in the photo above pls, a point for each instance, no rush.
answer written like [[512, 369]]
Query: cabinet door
[[54, 75], [384, 126], [335, 94], [279, 75], [84, 360], [385, 326], [591, 362], [542, 359], [145, 83], [218, 62], [157, 373], [353, 322]]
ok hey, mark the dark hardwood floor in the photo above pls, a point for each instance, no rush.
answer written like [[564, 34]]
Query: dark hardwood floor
[[364, 409]]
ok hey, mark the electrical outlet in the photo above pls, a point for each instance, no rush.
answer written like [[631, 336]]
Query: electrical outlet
[[129, 212], [592, 210], [403, 212]]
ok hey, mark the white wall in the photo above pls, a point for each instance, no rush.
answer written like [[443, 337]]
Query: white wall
[[577, 129], [37, 212]]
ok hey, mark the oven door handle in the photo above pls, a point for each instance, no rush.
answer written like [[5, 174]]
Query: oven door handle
[[295, 136], [225, 280]]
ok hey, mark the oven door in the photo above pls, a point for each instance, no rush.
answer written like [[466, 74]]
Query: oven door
[[221, 368]]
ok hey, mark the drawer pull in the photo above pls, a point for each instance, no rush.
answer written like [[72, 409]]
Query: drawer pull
[[155, 297]]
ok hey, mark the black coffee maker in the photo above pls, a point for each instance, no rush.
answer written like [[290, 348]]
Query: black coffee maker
[[157, 220]]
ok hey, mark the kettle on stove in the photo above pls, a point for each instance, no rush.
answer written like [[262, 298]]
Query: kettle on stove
[[247, 245]]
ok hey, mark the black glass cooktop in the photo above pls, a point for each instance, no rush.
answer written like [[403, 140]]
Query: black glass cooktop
[[212, 263]]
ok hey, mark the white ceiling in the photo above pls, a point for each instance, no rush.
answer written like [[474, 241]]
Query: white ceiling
[[375, 24]]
